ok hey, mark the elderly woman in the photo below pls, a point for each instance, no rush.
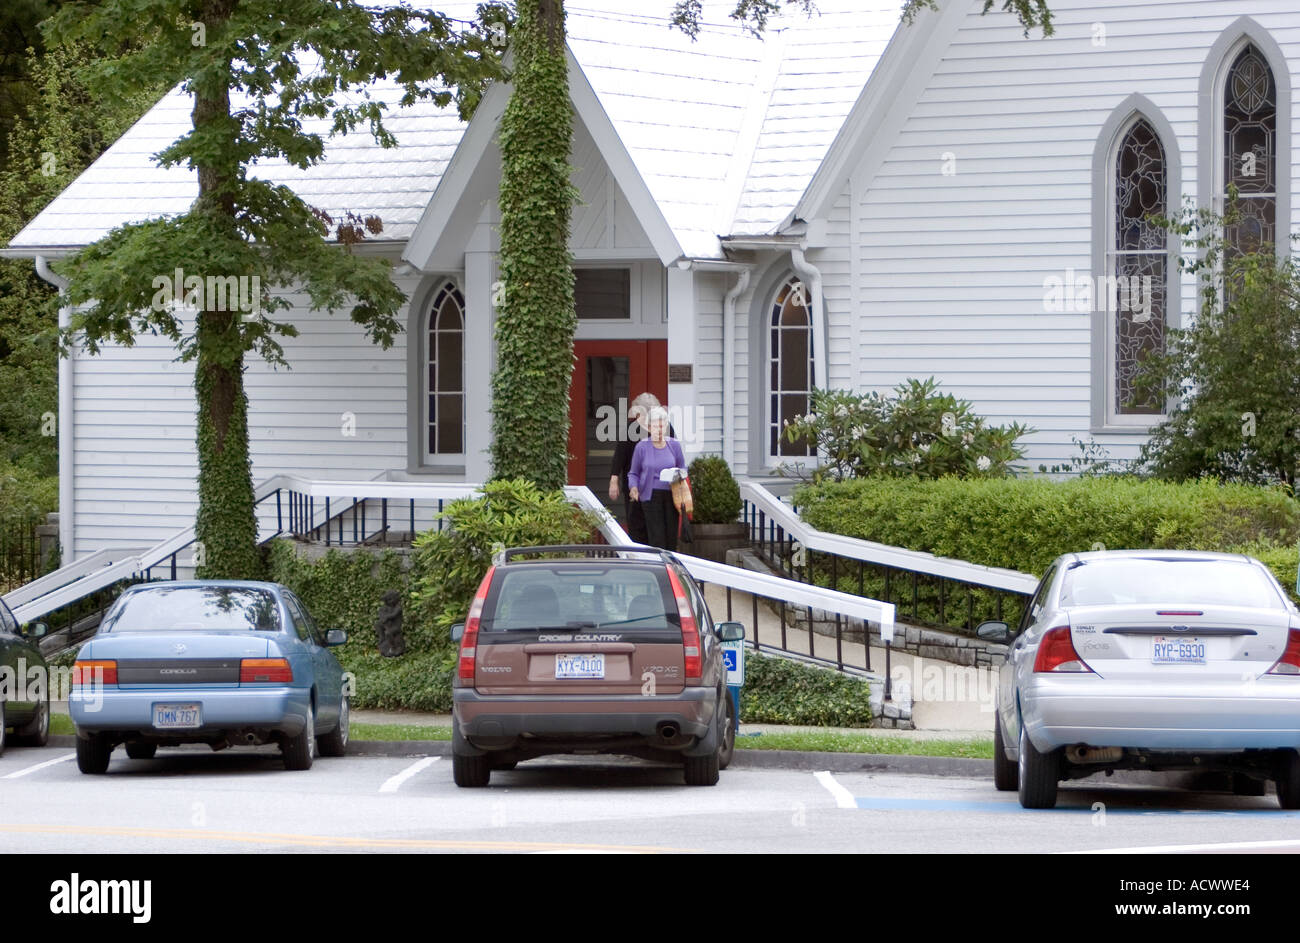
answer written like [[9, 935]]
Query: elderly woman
[[639, 413], [651, 457]]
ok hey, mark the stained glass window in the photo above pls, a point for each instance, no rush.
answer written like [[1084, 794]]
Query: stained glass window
[[1249, 151], [1134, 296]]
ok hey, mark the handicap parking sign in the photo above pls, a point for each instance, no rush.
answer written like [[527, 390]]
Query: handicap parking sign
[[733, 655]]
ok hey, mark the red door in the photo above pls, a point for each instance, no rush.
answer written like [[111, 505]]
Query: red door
[[607, 376]]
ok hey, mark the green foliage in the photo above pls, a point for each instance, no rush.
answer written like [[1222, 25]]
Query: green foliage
[[536, 320], [917, 432], [66, 125], [1092, 461], [753, 15], [25, 495], [714, 490], [449, 564], [1238, 415], [345, 591], [1024, 524], [310, 59], [781, 691]]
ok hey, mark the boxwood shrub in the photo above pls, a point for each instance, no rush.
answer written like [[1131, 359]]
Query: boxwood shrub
[[1025, 523], [781, 691]]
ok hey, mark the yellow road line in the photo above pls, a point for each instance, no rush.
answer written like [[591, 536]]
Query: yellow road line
[[322, 841]]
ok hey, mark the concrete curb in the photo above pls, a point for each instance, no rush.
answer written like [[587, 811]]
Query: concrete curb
[[744, 759], [862, 763]]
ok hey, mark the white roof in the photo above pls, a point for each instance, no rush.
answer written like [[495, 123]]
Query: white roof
[[726, 131]]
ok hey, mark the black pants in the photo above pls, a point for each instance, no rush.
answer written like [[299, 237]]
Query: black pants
[[634, 514], [661, 519]]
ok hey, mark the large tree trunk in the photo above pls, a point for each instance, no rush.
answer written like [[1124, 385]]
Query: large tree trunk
[[535, 326], [225, 528]]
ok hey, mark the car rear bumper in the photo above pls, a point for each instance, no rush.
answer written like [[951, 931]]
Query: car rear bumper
[[126, 711], [495, 717], [1261, 714]]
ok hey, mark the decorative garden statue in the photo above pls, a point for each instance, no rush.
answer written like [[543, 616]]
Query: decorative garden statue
[[388, 627]]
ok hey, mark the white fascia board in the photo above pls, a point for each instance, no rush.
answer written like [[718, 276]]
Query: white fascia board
[[902, 74]]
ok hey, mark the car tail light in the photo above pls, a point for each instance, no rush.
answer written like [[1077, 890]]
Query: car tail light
[[265, 670], [1056, 652], [94, 672], [469, 641], [1289, 663], [690, 631]]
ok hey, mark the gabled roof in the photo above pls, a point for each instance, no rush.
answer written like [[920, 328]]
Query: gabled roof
[[725, 133]]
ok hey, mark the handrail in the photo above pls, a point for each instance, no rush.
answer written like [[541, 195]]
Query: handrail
[[785, 517], [65, 575], [106, 576]]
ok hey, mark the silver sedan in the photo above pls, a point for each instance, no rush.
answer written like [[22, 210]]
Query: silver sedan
[[1150, 660]]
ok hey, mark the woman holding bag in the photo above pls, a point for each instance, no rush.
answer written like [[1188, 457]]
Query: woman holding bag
[[653, 456]]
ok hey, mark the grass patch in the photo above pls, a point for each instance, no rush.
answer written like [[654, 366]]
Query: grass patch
[[397, 732], [61, 724], [980, 748]]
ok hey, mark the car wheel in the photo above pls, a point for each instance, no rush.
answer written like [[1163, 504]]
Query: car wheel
[[728, 749], [141, 751], [703, 770], [335, 743], [1038, 774], [1288, 780], [1006, 774], [466, 769], [93, 753], [36, 732], [301, 750], [1243, 785]]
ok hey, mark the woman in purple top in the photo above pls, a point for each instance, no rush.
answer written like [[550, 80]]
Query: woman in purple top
[[652, 456]]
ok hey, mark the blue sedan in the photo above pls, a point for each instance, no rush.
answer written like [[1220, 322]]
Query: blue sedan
[[221, 662]]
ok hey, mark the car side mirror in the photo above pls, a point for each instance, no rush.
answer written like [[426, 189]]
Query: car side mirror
[[730, 631], [457, 631], [993, 631], [36, 630], [335, 637]]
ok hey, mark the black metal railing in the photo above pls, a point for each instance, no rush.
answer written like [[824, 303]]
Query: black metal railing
[[920, 598]]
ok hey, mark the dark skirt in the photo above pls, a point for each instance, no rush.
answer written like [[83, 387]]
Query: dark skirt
[[661, 519]]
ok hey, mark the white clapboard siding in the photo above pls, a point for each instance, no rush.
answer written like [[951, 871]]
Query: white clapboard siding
[[949, 274]]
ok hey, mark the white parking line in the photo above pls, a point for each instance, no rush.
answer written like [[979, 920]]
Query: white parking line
[[843, 798], [32, 769], [1276, 845], [394, 783]]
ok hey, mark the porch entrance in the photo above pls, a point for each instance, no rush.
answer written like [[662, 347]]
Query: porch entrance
[[607, 376]]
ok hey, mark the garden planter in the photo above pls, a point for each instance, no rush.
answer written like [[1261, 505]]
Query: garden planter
[[712, 541]]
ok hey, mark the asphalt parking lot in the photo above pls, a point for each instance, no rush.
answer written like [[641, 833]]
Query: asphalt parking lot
[[192, 800]]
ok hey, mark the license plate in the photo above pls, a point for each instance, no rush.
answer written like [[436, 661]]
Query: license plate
[[580, 666], [1171, 650], [171, 716]]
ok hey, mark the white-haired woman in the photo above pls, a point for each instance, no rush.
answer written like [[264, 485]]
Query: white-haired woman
[[639, 413], [652, 456]]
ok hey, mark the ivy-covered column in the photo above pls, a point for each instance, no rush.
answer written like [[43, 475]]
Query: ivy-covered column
[[536, 320]]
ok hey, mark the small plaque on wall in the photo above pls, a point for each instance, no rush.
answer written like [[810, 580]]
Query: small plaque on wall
[[679, 373]]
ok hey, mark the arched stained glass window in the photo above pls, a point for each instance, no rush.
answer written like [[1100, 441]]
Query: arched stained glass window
[[446, 359], [790, 369], [1138, 276], [1250, 151]]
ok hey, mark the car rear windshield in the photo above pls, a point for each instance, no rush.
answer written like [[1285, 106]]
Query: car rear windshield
[[542, 596], [197, 609], [1194, 582]]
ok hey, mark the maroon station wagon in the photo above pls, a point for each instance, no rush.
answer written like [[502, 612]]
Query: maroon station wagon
[[589, 650]]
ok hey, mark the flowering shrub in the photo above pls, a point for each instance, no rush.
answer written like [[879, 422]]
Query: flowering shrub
[[917, 432]]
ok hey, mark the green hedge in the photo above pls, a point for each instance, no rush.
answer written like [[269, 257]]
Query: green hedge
[[781, 691], [1025, 523]]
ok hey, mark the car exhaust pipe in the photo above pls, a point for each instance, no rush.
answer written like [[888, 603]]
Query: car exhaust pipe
[[251, 738], [1082, 753], [668, 732]]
